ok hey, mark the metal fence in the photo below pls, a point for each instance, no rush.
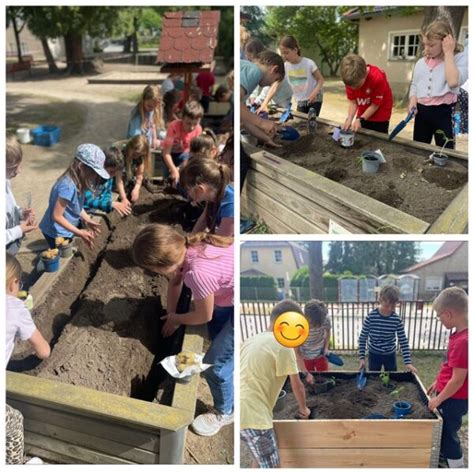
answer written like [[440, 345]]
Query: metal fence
[[423, 329]]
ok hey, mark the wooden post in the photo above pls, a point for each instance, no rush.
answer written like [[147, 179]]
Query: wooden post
[[172, 446], [188, 79]]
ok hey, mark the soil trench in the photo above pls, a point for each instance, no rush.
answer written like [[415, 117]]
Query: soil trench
[[346, 401], [406, 181], [103, 315]]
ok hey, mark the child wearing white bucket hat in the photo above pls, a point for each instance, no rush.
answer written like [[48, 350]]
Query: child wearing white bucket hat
[[65, 216]]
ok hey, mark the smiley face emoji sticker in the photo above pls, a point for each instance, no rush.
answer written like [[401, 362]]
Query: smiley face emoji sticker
[[291, 329]]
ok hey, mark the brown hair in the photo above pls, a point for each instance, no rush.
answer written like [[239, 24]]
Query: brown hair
[[290, 42], [269, 58], [214, 174], [253, 47], [282, 307], [80, 175], [454, 298], [221, 91], [170, 99], [316, 312], [152, 93], [390, 294], [113, 157], [12, 269], [353, 69], [203, 143], [438, 30], [159, 245], [14, 151], [193, 109], [138, 145]]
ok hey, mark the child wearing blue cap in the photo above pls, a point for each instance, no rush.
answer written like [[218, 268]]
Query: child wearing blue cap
[[66, 200]]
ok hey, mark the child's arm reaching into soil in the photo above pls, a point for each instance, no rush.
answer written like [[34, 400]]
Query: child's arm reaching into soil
[[39, 345], [175, 285], [298, 390], [302, 367]]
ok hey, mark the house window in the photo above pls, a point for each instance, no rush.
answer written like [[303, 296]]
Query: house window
[[434, 284], [278, 256], [404, 45], [254, 256], [463, 35], [281, 282]]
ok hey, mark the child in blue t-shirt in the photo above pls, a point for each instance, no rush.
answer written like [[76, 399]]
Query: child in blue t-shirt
[[66, 200], [113, 162], [206, 180]]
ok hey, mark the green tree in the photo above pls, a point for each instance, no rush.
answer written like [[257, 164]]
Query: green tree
[[315, 26], [316, 270], [256, 24], [16, 18], [72, 23]]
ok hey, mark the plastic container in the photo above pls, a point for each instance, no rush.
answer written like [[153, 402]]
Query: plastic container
[[321, 385], [439, 159], [51, 265], [65, 251], [280, 403], [346, 138], [370, 162], [23, 135], [46, 135], [401, 408], [457, 123], [312, 124]]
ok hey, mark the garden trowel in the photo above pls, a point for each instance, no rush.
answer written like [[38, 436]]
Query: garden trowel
[[361, 379], [402, 124], [286, 115]]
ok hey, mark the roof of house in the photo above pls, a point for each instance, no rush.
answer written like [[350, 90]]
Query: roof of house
[[446, 250], [189, 37], [363, 12], [300, 254], [253, 272]]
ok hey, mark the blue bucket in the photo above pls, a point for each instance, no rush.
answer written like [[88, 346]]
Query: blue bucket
[[46, 135], [51, 265], [401, 408]]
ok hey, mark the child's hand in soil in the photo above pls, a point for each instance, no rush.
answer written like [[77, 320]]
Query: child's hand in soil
[[93, 227], [88, 237], [135, 195], [362, 364], [268, 127], [271, 144], [170, 326], [347, 124], [174, 177], [309, 378], [434, 403], [303, 415], [449, 44], [356, 125], [126, 201], [411, 368], [123, 208]]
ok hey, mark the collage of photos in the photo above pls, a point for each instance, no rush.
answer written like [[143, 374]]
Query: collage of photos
[[123, 321]]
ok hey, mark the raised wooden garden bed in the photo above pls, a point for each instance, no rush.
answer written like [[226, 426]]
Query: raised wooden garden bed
[[101, 397], [346, 443], [290, 198]]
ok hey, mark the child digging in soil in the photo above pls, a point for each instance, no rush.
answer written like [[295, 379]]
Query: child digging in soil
[[369, 94], [450, 390], [177, 143], [205, 264], [314, 350], [206, 180], [264, 367], [18, 221], [435, 84], [66, 201], [18, 323], [104, 202], [381, 328]]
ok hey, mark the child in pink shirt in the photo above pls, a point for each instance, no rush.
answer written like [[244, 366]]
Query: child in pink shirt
[[178, 139], [205, 264]]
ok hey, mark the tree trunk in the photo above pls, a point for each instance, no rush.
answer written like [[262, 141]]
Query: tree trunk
[[127, 47], [135, 39], [74, 53], [316, 284], [17, 39], [53, 68], [453, 14]]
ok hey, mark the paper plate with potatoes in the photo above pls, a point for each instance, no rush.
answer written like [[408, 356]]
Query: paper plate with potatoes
[[184, 364]]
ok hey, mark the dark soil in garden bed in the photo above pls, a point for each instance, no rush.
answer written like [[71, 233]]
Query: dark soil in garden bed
[[346, 401], [406, 181], [103, 314]]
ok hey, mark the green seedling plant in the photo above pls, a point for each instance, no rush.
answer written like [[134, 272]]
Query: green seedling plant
[[396, 393], [445, 138], [385, 378]]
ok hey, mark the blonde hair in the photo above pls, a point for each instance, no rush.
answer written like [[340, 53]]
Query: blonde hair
[[353, 69], [390, 294], [152, 93], [138, 145], [12, 269], [283, 307], [159, 245], [244, 36], [451, 298], [14, 151], [77, 171], [210, 172], [438, 30], [316, 311]]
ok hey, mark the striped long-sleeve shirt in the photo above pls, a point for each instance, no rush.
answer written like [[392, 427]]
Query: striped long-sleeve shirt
[[103, 202], [381, 333]]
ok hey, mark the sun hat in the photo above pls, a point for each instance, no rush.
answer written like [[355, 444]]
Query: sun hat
[[92, 156]]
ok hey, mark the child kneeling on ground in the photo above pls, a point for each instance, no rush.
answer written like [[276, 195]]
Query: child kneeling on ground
[[450, 390], [264, 367]]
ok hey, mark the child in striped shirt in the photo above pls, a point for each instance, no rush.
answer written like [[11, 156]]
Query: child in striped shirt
[[381, 328]]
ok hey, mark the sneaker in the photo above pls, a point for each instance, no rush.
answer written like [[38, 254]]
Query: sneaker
[[35, 460], [208, 424]]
